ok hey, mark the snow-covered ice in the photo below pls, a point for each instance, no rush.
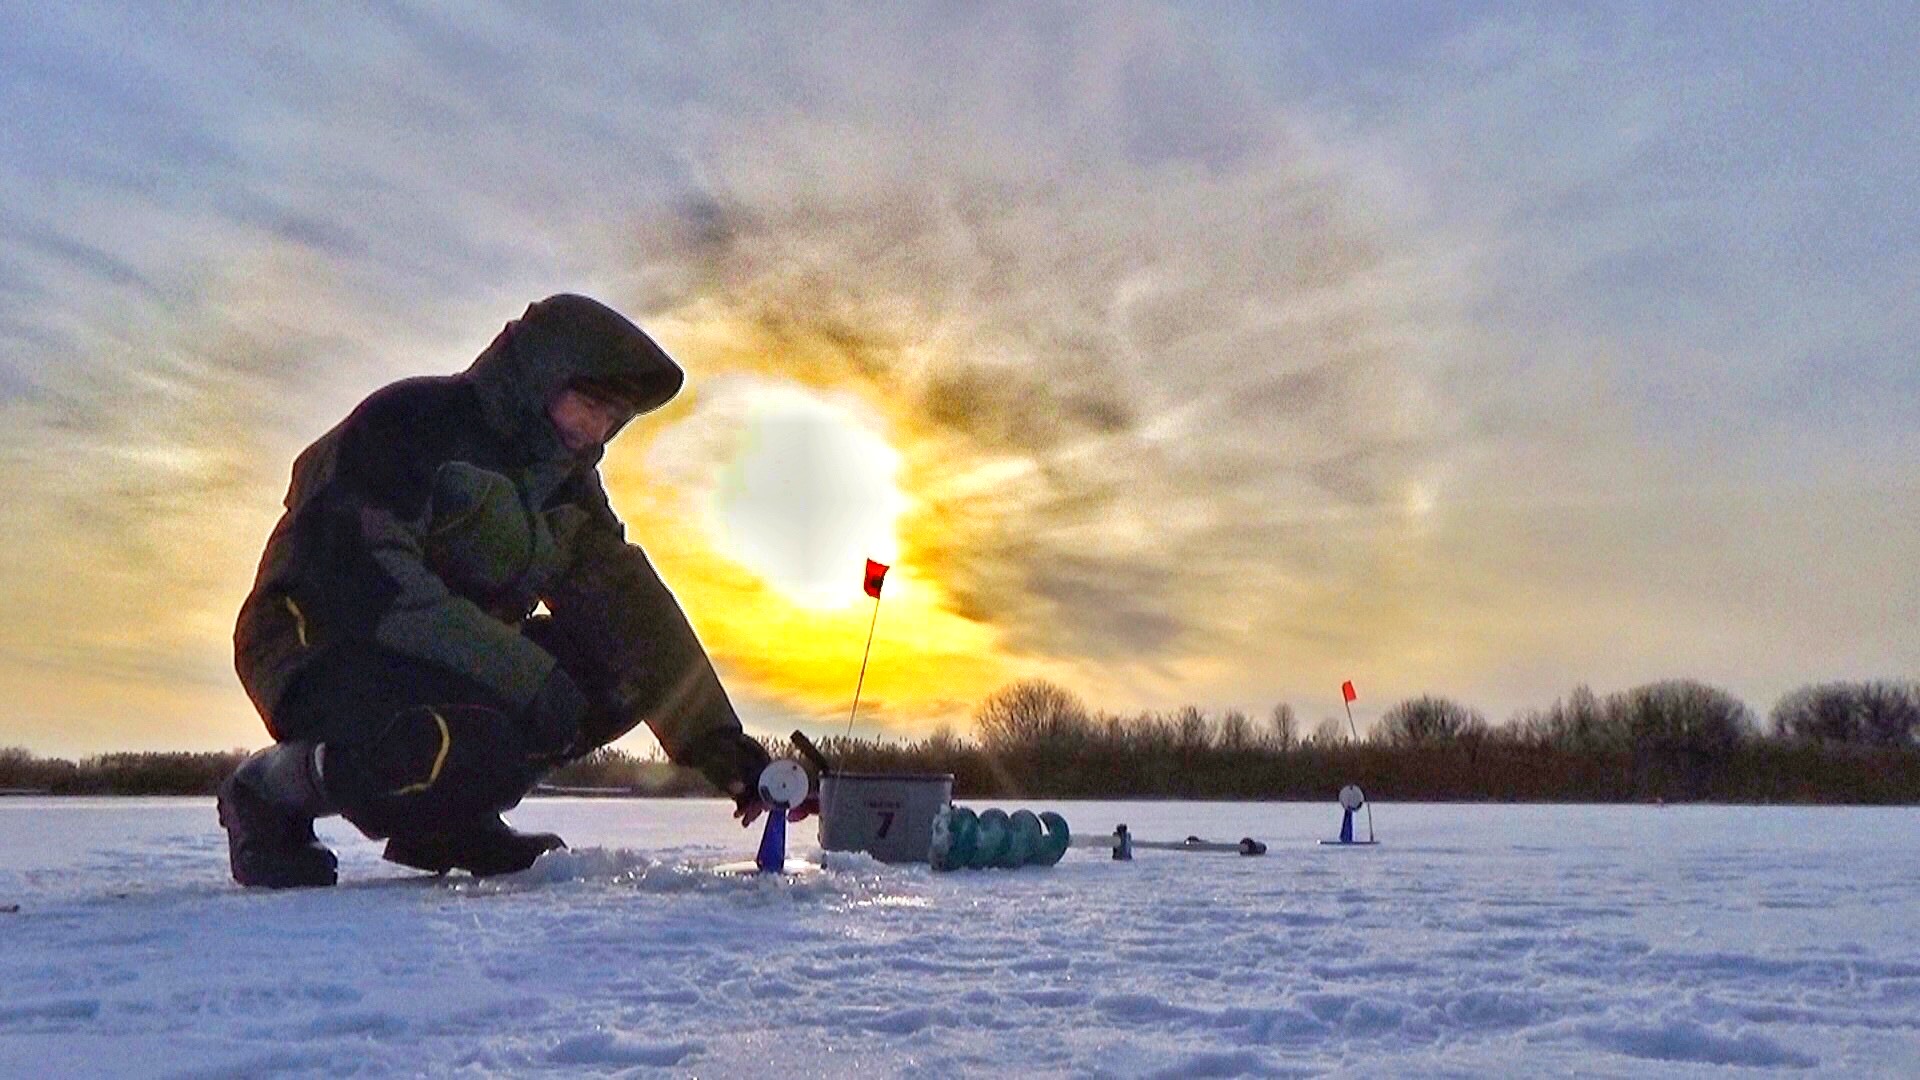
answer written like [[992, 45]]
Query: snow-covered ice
[[1598, 941]]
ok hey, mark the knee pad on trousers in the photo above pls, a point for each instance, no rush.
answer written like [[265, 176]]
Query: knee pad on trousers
[[431, 767]]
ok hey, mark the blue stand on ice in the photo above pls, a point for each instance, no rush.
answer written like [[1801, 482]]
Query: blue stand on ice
[[772, 858], [1351, 800], [782, 785]]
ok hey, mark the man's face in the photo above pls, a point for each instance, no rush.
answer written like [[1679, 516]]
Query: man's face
[[583, 420]]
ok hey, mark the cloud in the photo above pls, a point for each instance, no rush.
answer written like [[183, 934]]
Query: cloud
[[1224, 349], [1111, 404]]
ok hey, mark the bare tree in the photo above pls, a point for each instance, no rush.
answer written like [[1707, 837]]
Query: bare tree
[[1328, 732], [1191, 729], [1684, 715], [1282, 728], [943, 742], [1426, 720], [1890, 712], [1235, 731], [1578, 722], [1868, 713], [1823, 713], [1029, 713]]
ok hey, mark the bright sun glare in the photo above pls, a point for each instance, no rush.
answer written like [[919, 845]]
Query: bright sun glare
[[808, 495]]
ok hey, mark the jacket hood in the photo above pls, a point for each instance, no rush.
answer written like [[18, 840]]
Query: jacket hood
[[566, 340]]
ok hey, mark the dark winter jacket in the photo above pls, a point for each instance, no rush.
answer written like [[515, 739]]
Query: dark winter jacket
[[434, 517]]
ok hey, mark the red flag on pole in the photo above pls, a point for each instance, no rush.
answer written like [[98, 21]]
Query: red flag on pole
[[876, 576], [1346, 690]]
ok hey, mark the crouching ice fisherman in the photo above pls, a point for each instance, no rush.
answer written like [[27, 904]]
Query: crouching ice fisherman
[[390, 643]]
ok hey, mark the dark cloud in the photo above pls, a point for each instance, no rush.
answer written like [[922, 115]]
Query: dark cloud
[[1012, 408], [327, 237], [95, 266]]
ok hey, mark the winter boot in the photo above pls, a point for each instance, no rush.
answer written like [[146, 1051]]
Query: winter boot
[[488, 847], [267, 807]]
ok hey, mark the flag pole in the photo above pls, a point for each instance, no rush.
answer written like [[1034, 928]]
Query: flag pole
[[1346, 699], [863, 665]]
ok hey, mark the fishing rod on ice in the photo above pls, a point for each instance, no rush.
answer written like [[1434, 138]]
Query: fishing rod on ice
[[1123, 844]]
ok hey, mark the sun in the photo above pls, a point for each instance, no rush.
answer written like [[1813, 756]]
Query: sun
[[759, 505], [807, 491]]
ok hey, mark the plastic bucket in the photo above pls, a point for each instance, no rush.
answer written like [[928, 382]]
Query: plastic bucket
[[887, 815]]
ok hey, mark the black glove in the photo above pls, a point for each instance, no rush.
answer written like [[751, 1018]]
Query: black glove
[[553, 719], [731, 761]]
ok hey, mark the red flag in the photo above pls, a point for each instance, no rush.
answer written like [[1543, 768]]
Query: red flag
[[876, 576], [1346, 690]]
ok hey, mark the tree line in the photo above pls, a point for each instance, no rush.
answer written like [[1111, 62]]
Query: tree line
[[1843, 742], [169, 773], [1666, 741]]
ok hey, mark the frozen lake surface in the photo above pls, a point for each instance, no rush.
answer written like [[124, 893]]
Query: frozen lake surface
[[1599, 941]]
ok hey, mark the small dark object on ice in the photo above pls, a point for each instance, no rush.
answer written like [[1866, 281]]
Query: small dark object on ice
[[1124, 845], [1247, 845], [9, 909], [488, 848]]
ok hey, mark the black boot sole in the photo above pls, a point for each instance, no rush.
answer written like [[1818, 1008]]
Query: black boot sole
[[489, 857]]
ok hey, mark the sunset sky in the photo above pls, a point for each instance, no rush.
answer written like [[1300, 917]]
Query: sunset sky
[[1209, 354]]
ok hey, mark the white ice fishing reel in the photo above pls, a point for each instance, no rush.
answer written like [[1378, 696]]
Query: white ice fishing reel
[[1351, 800], [784, 784]]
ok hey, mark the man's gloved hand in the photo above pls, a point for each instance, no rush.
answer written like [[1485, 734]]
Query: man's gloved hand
[[553, 719], [808, 807], [732, 761]]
